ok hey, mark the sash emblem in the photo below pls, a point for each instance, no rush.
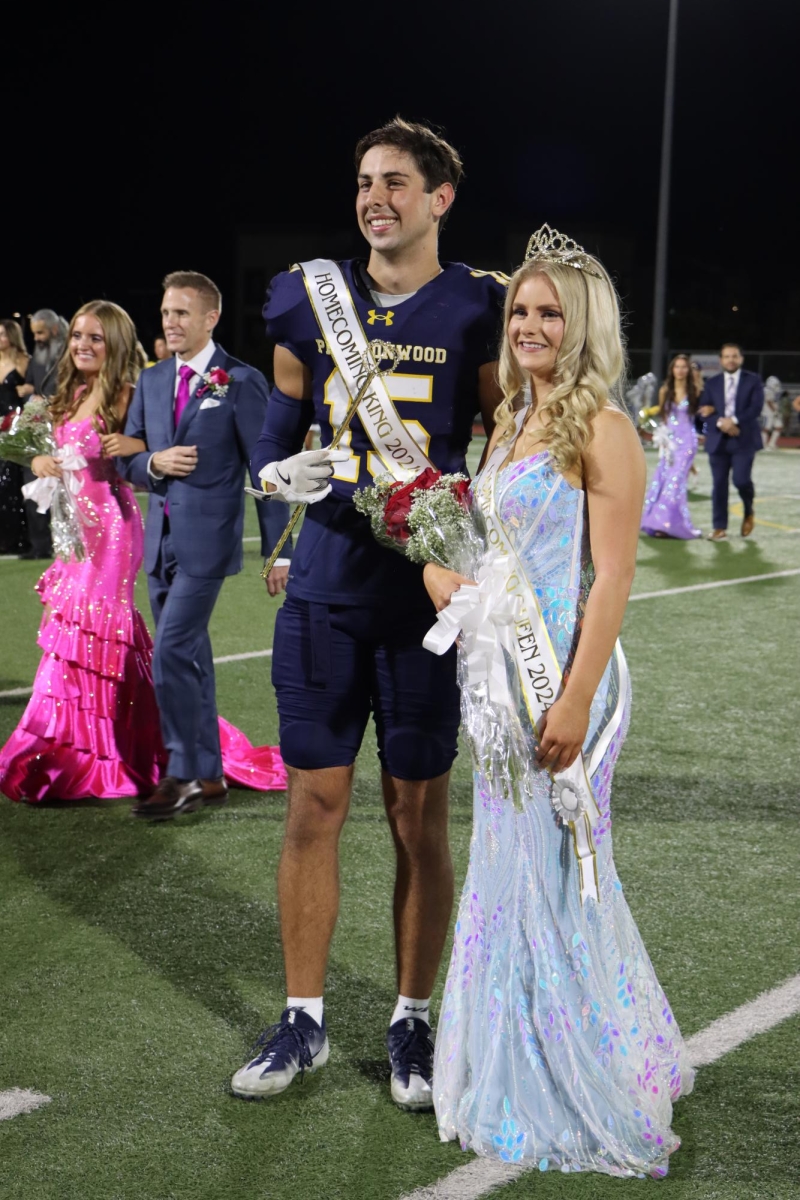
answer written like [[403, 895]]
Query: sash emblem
[[376, 316]]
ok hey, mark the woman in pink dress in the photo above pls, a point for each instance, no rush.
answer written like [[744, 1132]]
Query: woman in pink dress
[[91, 728]]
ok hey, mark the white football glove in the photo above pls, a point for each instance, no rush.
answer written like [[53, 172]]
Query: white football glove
[[303, 478]]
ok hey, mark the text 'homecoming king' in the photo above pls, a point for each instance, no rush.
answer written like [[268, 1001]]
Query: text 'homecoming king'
[[325, 313]]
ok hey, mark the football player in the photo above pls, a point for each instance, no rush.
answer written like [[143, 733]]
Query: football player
[[348, 639]]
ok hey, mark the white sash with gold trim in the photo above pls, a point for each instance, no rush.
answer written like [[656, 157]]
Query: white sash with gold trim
[[501, 617], [346, 341]]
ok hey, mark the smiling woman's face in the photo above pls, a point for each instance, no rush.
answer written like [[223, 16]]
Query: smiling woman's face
[[536, 327], [87, 344]]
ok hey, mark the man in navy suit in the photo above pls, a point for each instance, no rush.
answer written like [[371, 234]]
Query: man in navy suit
[[199, 413], [732, 404]]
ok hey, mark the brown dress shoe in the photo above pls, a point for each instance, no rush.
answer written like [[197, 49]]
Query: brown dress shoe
[[171, 798], [717, 535], [215, 791], [747, 525]]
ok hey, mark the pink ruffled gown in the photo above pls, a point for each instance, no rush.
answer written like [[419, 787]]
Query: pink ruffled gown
[[91, 728]]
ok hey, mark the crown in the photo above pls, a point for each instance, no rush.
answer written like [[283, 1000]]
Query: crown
[[548, 245]]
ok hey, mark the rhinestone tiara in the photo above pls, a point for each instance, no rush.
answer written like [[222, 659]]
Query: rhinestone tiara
[[548, 245]]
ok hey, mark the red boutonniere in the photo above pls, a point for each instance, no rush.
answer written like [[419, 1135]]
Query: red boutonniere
[[216, 382]]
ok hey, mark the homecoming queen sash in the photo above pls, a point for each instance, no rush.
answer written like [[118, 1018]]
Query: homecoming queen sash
[[501, 616], [346, 342], [540, 679]]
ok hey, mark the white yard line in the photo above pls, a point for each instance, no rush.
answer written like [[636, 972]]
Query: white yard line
[[16, 1101], [694, 587], [482, 1176], [224, 658], [745, 1022], [717, 583], [240, 657]]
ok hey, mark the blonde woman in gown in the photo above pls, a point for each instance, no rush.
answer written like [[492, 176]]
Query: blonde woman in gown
[[556, 1045]]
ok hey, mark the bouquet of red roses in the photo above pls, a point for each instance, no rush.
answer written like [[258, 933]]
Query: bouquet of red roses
[[427, 520]]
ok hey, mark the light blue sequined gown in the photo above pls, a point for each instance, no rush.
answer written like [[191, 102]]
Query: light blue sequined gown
[[556, 1046]]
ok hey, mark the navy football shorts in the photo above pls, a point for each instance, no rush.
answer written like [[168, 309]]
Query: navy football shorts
[[333, 664]]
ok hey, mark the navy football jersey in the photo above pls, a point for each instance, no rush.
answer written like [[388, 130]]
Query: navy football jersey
[[445, 332]]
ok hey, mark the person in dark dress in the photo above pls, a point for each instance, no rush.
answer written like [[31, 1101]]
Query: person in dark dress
[[48, 330], [13, 364]]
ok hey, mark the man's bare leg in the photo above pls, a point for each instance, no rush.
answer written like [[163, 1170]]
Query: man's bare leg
[[308, 875], [423, 894]]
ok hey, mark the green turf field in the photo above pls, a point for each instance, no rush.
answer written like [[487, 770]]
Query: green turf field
[[139, 962]]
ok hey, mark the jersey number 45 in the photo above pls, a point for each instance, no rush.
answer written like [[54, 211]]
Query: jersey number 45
[[408, 388]]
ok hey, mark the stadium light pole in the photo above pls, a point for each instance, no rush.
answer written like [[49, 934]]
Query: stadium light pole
[[662, 237]]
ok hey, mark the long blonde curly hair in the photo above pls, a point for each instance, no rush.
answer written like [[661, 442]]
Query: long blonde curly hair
[[589, 367], [123, 364]]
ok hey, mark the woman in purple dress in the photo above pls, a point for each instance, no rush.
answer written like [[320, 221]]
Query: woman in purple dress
[[666, 507]]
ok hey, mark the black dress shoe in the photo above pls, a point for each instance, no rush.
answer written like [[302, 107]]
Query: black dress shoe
[[171, 798]]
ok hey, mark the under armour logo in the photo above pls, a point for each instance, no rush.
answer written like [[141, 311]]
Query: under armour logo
[[376, 316]]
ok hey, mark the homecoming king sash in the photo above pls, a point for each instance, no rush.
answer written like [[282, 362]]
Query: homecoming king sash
[[346, 342]]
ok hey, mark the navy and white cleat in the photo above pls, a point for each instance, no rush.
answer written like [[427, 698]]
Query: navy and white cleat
[[411, 1055], [297, 1045]]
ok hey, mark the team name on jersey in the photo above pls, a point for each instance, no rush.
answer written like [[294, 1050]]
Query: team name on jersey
[[428, 354]]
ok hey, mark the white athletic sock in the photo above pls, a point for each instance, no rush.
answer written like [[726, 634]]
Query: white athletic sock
[[406, 1007], [312, 1004]]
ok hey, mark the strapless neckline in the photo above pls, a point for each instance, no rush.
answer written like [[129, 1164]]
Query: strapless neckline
[[529, 458]]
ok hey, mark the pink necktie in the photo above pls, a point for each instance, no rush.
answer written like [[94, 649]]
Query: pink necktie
[[183, 396]]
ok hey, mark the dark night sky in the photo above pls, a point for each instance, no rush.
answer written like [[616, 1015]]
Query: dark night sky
[[152, 142]]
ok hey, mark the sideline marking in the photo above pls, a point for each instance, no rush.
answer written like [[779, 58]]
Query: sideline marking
[[481, 1176], [737, 510], [16, 1101], [224, 658], [240, 657], [717, 583], [693, 587]]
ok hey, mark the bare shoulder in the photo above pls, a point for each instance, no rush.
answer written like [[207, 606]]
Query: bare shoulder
[[615, 452], [124, 399]]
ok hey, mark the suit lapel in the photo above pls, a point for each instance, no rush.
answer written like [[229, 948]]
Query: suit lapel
[[721, 394], [166, 398], [217, 360]]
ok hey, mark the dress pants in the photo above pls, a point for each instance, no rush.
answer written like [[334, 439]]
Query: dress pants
[[721, 465], [38, 523], [183, 667]]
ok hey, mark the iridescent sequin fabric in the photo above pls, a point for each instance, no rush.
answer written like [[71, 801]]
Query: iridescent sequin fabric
[[666, 508], [556, 1045]]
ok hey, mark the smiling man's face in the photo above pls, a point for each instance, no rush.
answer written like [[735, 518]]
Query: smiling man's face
[[394, 211]]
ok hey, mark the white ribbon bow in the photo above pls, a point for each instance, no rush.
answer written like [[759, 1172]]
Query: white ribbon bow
[[43, 489], [662, 440], [484, 615]]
